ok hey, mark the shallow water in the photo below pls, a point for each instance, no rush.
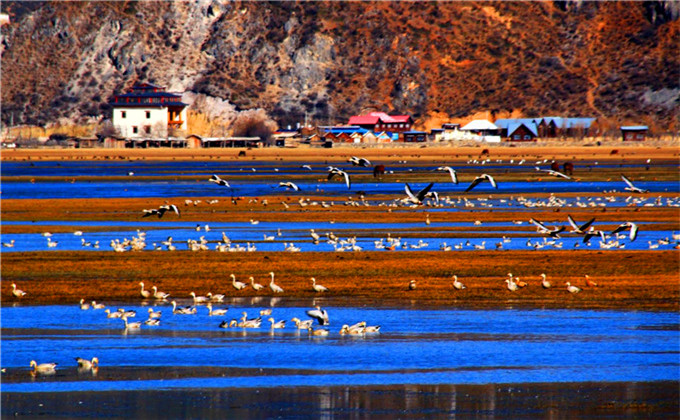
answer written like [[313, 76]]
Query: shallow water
[[421, 237], [415, 346]]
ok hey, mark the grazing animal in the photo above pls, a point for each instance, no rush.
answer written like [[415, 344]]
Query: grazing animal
[[568, 168], [378, 170]]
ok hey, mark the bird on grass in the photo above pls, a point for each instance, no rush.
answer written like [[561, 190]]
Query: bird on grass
[[457, 284], [412, 285], [17, 292], [572, 289], [544, 282], [317, 287]]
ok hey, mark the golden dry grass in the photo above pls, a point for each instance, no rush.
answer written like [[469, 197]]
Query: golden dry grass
[[627, 279]]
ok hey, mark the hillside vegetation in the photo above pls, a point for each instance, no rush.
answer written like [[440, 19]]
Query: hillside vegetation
[[433, 60]]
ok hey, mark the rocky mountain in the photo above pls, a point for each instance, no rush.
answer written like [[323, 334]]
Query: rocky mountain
[[330, 60]]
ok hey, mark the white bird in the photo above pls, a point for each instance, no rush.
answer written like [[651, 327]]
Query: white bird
[[631, 187], [319, 314], [153, 322], [303, 325], [581, 230], [215, 297], [512, 286], [9, 244], [215, 312], [275, 287], [238, 285], [457, 284], [357, 161], [544, 282], [572, 289], [126, 314], [185, 310], [145, 293], [627, 226], [199, 299], [553, 173], [309, 168], [412, 285], [96, 305], [279, 324], [481, 178], [87, 364], [321, 332], [317, 287], [131, 325], [219, 181], [168, 207], [43, 367], [84, 306], [256, 286], [17, 292], [159, 295], [289, 185], [420, 196], [152, 314], [452, 172], [554, 232], [116, 314], [333, 171]]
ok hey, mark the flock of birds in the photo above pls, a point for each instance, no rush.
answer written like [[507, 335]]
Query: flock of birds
[[514, 284]]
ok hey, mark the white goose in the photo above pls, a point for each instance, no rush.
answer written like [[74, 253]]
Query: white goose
[[199, 299], [302, 325], [317, 287], [215, 297], [572, 289], [159, 295], [84, 306], [457, 284], [544, 282], [277, 325], [110, 314], [153, 314], [185, 310], [215, 312], [512, 286], [319, 314], [87, 364], [17, 292], [238, 285], [256, 286], [145, 293], [131, 325], [96, 305], [43, 367], [321, 332], [275, 287]]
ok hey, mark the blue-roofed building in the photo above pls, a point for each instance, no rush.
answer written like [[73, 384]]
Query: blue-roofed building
[[564, 127], [518, 129]]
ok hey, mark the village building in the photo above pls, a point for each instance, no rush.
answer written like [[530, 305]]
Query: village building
[[483, 130], [147, 111], [414, 136], [634, 132], [518, 129], [380, 121]]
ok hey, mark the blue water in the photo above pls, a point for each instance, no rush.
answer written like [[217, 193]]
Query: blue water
[[418, 346], [299, 233]]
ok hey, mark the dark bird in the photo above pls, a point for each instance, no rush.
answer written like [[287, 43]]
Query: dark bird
[[592, 232], [356, 161], [631, 187], [420, 196], [627, 226], [219, 181], [168, 207], [481, 178]]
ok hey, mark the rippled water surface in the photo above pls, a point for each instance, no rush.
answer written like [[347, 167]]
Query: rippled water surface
[[415, 345]]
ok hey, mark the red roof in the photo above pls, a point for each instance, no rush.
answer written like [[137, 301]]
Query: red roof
[[375, 117]]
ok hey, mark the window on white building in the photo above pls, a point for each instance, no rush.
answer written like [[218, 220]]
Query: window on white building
[[148, 114], [123, 114], [134, 129], [147, 129]]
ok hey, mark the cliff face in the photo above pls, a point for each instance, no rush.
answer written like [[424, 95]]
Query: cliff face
[[619, 60]]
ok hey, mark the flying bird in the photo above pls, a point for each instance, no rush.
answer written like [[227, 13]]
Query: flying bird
[[581, 230], [481, 178], [289, 185], [357, 161], [319, 314], [592, 232], [554, 232], [333, 171], [631, 187], [553, 173], [627, 226], [420, 196], [452, 172], [219, 181]]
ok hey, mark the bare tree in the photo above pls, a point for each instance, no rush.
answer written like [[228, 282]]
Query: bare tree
[[254, 123]]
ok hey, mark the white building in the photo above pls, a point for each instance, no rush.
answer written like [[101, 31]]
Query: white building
[[148, 112], [482, 130]]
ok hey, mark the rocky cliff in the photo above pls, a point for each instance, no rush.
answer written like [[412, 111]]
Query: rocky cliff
[[434, 60]]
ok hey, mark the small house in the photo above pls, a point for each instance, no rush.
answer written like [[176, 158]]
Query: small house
[[414, 136], [634, 132]]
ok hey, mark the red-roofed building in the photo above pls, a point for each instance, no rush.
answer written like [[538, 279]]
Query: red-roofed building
[[379, 121]]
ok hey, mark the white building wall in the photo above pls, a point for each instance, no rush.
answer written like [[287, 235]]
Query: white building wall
[[137, 117]]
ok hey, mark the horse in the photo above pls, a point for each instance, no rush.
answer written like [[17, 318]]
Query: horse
[[378, 170]]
